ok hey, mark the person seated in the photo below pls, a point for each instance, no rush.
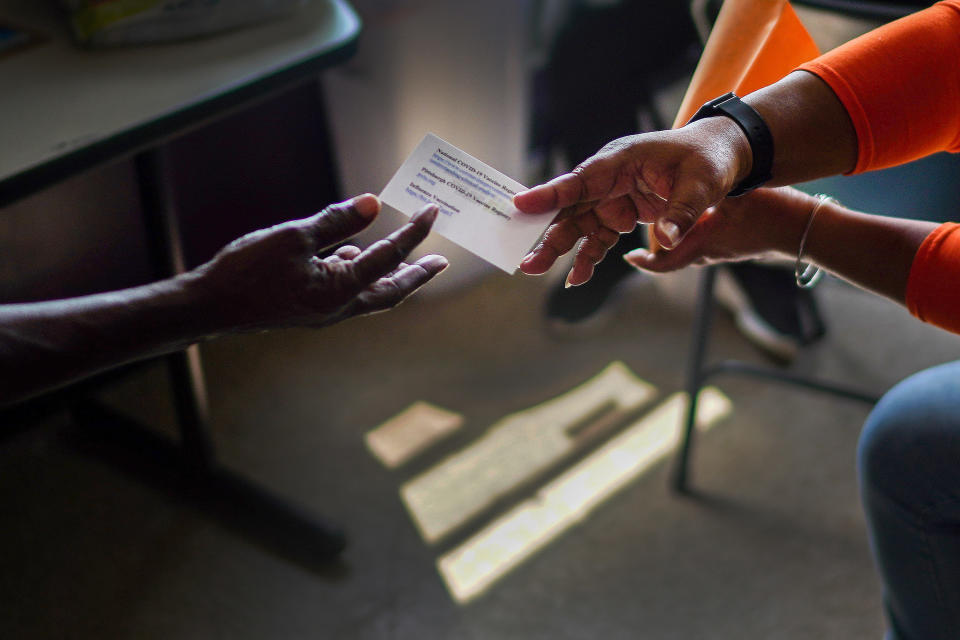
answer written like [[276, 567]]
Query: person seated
[[267, 279], [886, 98]]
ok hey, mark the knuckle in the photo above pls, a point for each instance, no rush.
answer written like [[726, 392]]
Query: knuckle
[[559, 238], [394, 249], [586, 224], [581, 180], [292, 237], [393, 294], [685, 211], [594, 251], [607, 236], [336, 219], [617, 146], [348, 280]]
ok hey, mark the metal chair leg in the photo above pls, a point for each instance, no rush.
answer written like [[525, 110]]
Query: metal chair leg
[[695, 374], [698, 372]]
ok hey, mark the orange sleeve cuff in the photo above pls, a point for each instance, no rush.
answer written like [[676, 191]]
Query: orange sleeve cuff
[[933, 287], [900, 84]]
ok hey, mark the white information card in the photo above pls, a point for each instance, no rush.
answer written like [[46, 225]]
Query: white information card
[[475, 201]]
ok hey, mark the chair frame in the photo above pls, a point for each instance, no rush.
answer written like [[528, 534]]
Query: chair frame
[[698, 372]]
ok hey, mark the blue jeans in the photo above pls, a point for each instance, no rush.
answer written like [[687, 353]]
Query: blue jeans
[[909, 465]]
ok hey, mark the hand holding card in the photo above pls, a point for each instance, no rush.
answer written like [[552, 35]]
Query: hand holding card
[[475, 201]]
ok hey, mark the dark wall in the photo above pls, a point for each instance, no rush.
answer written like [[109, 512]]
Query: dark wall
[[254, 168], [258, 167]]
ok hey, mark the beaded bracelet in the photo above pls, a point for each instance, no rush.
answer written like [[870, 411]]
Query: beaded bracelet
[[809, 275]]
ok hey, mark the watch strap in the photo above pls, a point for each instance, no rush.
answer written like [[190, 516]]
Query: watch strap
[[756, 130]]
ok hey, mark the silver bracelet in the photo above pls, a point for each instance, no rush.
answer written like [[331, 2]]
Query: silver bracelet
[[809, 275]]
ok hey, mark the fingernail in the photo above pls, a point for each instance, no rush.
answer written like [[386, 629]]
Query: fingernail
[[566, 283], [438, 261], [428, 211], [527, 258], [669, 230], [367, 205]]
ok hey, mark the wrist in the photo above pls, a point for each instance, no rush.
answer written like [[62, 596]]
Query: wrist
[[733, 146], [792, 221], [198, 305], [755, 131], [776, 218]]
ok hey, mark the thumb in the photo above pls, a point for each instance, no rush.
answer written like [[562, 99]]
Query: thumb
[[657, 261], [691, 196], [339, 221]]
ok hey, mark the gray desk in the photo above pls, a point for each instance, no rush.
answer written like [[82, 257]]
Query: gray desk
[[64, 110]]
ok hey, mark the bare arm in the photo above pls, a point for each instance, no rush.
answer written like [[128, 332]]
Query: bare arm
[[814, 137], [873, 252], [670, 177], [268, 279], [47, 344], [865, 118]]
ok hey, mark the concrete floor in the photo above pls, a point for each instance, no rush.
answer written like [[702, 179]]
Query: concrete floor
[[771, 545]]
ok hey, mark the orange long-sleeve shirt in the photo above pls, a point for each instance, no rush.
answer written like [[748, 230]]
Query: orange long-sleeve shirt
[[900, 84]]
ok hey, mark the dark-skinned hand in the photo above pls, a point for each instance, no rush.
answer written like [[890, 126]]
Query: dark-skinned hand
[[664, 178], [276, 278]]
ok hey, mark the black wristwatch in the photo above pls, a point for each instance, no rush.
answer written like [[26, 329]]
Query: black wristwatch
[[761, 141]]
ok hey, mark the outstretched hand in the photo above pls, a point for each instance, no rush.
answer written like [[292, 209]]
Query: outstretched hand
[[667, 178], [276, 278]]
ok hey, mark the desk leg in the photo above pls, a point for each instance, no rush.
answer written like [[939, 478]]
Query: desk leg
[[166, 252], [236, 502]]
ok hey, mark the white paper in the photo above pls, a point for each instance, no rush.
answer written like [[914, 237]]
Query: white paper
[[475, 201]]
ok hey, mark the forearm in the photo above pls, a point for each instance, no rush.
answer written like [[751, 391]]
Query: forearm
[[873, 252], [900, 84], [883, 99], [268, 279], [45, 345], [813, 134]]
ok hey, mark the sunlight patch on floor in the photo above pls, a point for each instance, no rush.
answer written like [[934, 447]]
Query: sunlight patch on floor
[[500, 547], [517, 448], [410, 432], [528, 453]]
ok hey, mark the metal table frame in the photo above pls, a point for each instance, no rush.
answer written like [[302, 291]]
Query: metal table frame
[[190, 467]]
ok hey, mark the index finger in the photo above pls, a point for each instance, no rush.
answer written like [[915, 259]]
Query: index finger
[[384, 255], [339, 221], [593, 180], [559, 238]]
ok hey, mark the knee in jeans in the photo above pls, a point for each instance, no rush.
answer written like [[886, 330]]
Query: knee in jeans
[[895, 446], [883, 450], [912, 437]]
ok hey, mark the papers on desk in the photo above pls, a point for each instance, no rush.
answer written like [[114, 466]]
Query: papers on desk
[[475, 201], [14, 38]]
